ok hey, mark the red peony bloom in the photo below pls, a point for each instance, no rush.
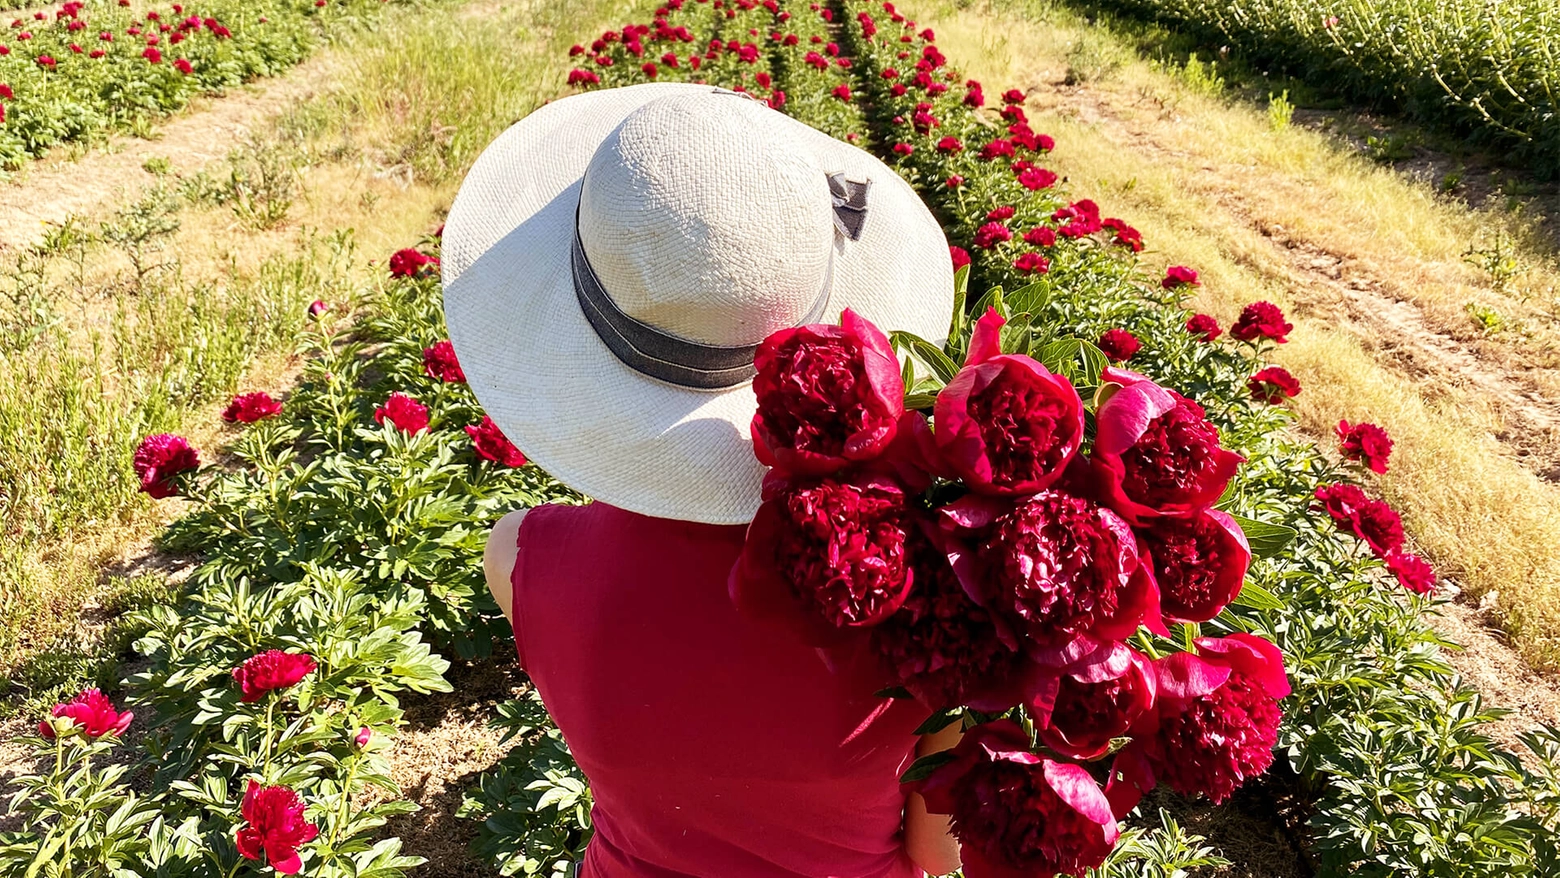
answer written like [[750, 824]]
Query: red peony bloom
[[1413, 572], [996, 148], [1126, 236], [959, 255], [364, 735], [1199, 563], [973, 96], [409, 263], [151, 55], [5, 92], [941, 645], [1035, 179], [1204, 326], [47, 62], [1155, 452], [578, 76], [1031, 263], [1000, 214], [1261, 320], [1079, 711], [1214, 724], [439, 362], [1012, 96], [1119, 345], [950, 145], [1005, 424], [834, 549], [161, 457], [1366, 443], [490, 443], [1058, 569], [954, 181], [841, 91], [246, 408], [275, 825], [271, 670], [1041, 236], [1371, 520], [183, 66], [317, 307], [406, 413], [1177, 276], [903, 149], [1017, 813], [1272, 385], [92, 714], [992, 234], [827, 396]]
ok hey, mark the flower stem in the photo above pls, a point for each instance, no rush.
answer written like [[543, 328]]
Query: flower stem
[[265, 769]]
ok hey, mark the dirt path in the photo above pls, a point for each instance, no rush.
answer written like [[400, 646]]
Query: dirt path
[[57, 186]]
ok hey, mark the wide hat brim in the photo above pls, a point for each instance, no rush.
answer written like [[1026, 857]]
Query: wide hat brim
[[557, 392]]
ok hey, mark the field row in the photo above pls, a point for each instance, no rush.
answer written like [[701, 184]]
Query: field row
[[1489, 70], [80, 71]]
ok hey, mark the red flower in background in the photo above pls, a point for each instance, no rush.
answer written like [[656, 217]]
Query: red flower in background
[[406, 413], [275, 826], [1371, 520], [1261, 320], [1203, 326], [827, 396], [1005, 423], [992, 234], [5, 92], [1199, 563], [959, 255], [1012, 96], [1272, 385], [950, 145], [317, 307], [409, 263], [1015, 812], [1177, 276], [954, 181], [995, 149], [92, 714], [152, 55], [833, 549], [1126, 236], [271, 670], [47, 62], [161, 457], [1035, 179], [841, 91], [490, 443], [1214, 723], [1366, 443], [1413, 572], [1041, 236], [578, 76], [1119, 345], [183, 66], [1000, 214], [1155, 453], [247, 408], [1031, 263], [440, 362]]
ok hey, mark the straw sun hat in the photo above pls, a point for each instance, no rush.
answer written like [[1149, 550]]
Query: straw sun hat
[[612, 260]]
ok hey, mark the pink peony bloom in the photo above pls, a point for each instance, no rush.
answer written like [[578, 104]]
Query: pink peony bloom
[[90, 713]]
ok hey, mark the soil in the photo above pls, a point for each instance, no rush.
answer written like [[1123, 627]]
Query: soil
[[60, 185]]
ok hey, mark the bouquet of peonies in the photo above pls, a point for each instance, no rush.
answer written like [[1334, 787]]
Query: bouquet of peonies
[[1000, 565]]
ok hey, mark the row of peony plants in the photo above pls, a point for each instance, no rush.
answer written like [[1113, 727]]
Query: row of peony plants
[[1367, 674], [79, 70], [345, 530]]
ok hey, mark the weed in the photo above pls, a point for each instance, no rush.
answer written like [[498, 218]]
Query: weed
[[1500, 261], [142, 228], [1280, 111], [262, 182], [1389, 148], [157, 166], [1202, 78], [1486, 318], [1091, 59]]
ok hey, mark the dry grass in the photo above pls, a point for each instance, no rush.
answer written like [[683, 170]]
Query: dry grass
[[1369, 263]]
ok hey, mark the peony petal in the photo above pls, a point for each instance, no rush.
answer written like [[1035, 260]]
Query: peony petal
[[1184, 676], [1131, 778], [1252, 656], [1120, 422], [986, 339], [1075, 786], [251, 798], [248, 843], [285, 860]]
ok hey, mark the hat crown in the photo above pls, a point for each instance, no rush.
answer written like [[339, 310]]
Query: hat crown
[[703, 217]]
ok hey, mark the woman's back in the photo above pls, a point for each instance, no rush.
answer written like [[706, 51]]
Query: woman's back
[[714, 747]]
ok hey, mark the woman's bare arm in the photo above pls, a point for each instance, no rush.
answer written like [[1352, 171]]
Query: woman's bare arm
[[927, 838], [498, 561]]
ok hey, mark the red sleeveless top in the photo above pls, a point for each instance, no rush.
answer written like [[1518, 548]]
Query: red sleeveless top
[[715, 747]]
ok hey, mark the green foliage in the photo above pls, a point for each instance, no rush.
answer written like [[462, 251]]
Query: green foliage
[[1280, 111]]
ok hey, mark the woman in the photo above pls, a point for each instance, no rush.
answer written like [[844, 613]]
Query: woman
[[610, 264]]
